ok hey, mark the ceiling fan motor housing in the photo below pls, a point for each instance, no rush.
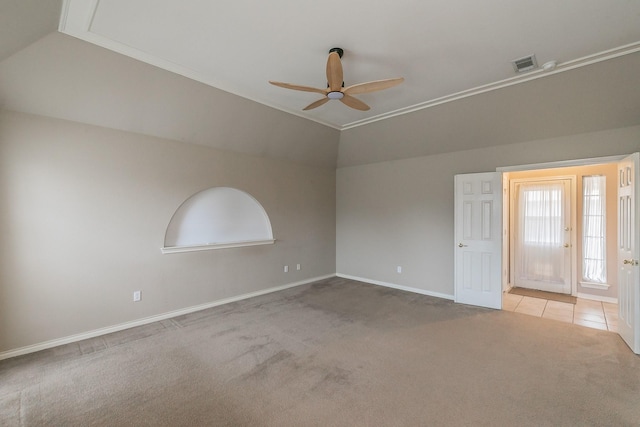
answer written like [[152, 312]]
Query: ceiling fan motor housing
[[338, 50]]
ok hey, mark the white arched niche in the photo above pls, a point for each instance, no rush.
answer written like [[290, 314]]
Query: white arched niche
[[217, 218]]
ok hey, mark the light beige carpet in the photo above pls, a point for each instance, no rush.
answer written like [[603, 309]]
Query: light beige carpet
[[334, 353]]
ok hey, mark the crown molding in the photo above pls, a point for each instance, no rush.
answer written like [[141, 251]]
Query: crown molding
[[77, 18], [532, 75]]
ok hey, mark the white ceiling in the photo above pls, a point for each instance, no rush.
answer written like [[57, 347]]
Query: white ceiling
[[444, 49]]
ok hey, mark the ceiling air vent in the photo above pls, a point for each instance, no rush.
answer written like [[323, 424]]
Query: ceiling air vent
[[526, 63]]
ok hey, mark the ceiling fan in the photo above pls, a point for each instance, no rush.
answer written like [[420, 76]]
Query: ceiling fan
[[335, 85]]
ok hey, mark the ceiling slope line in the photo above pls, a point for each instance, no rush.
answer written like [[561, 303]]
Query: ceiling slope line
[[85, 13], [83, 32], [533, 75], [183, 71]]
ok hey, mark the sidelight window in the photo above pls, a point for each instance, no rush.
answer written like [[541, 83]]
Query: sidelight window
[[594, 230]]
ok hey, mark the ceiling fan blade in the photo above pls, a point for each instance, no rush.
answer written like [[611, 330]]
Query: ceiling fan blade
[[334, 72], [352, 102], [316, 104], [373, 86], [299, 87]]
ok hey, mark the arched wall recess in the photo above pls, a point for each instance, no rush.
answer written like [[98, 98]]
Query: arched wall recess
[[217, 218]]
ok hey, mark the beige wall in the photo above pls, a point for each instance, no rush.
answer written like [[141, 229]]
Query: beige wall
[[401, 212], [83, 214], [84, 211], [66, 78], [593, 98], [610, 172]]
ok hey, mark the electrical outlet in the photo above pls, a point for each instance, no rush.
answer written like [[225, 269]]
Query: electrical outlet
[[399, 269], [137, 296], [298, 267], [286, 268]]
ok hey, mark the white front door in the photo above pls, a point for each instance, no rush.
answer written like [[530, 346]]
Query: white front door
[[628, 248], [478, 239], [542, 235]]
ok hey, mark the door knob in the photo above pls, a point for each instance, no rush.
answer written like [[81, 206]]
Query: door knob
[[630, 261], [460, 245], [566, 245]]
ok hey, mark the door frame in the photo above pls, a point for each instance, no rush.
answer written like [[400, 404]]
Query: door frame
[[502, 171], [506, 276], [573, 259]]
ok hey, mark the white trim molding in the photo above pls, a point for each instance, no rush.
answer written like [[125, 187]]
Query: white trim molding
[[597, 298], [210, 246], [144, 321], [399, 287], [77, 20], [532, 75], [590, 285], [562, 164]]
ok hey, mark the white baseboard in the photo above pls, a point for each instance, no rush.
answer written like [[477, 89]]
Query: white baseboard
[[127, 325], [597, 298], [400, 287]]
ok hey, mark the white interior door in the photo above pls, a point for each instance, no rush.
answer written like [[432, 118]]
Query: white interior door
[[542, 235], [628, 247], [478, 239]]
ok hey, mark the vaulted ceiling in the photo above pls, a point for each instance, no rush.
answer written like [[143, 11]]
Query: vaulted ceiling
[[442, 48], [455, 57]]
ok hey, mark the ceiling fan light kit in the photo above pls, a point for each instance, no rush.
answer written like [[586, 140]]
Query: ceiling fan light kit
[[335, 85]]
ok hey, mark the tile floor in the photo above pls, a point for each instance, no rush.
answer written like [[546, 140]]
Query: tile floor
[[593, 314]]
